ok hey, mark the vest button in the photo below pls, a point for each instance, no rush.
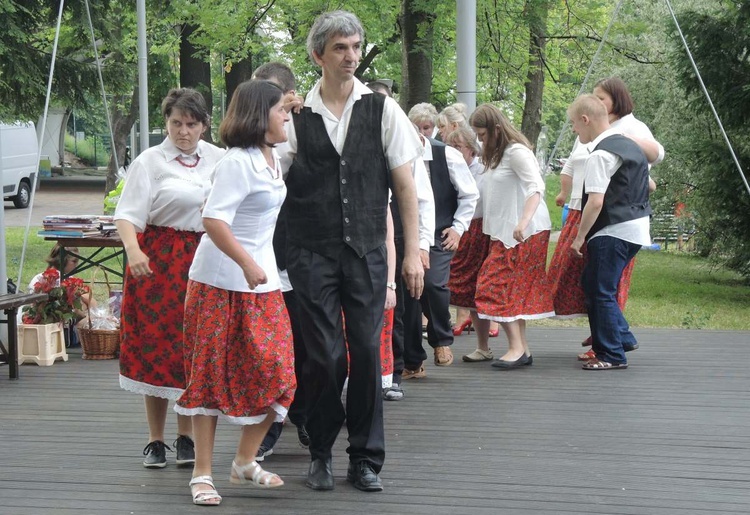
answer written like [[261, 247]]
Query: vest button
[[343, 181], [345, 201], [343, 162], [348, 238], [346, 220]]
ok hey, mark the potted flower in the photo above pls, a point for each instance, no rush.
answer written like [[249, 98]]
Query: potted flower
[[63, 299], [41, 332]]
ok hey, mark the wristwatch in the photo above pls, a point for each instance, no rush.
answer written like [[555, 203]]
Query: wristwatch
[[392, 286]]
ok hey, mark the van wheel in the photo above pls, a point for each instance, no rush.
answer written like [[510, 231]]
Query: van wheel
[[21, 200]]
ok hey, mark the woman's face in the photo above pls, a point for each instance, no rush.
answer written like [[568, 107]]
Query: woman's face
[[184, 131], [426, 128], [447, 128], [70, 264], [465, 150], [276, 120], [605, 98], [481, 135]]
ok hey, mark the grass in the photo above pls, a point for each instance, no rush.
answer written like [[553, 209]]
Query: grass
[[37, 251], [671, 290]]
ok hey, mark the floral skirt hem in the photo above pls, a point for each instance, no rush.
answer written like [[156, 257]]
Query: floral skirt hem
[[163, 392], [280, 410], [536, 316]]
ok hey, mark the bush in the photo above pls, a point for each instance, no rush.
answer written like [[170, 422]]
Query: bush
[[91, 150]]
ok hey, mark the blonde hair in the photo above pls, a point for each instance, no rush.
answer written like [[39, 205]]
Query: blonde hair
[[465, 136], [454, 113], [423, 112], [588, 105]]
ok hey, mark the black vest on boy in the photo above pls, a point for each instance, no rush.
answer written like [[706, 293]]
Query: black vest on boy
[[335, 200], [626, 197]]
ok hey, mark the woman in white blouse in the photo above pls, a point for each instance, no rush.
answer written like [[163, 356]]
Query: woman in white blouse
[[512, 283], [236, 324], [159, 220]]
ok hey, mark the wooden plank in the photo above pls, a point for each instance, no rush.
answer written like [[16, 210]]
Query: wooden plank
[[667, 436]]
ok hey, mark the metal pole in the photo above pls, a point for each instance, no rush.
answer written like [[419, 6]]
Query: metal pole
[[466, 53], [142, 74]]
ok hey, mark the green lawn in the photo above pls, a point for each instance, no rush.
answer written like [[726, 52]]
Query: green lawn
[[668, 289]]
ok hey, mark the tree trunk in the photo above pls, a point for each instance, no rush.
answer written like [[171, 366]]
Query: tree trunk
[[195, 72], [122, 123], [239, 73], [531, 123], [417, 21]]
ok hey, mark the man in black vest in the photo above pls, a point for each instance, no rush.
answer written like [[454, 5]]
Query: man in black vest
[[456, 195], [343, 148], [614, 225]]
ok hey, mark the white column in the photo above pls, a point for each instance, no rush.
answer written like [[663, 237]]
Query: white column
[[142, 77], [466, 53]]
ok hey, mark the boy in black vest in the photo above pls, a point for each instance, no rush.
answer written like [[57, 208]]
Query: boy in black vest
[[614, 225]]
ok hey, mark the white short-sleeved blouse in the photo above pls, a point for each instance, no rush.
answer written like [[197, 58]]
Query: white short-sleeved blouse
[[160, 191], [247, 195]]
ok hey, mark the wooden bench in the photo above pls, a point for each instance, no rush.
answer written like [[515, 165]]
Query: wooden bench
[[9, 303], [666, 228]]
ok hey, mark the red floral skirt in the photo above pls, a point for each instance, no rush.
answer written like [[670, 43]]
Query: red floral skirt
[[471, 253], [512, 283], [566, 269], [240, 358], [386, 349], [151, 345]]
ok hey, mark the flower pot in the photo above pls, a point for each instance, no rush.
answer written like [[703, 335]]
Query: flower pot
[[41, 343]]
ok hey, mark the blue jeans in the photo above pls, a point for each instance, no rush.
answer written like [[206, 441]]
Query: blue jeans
[[610, 332]]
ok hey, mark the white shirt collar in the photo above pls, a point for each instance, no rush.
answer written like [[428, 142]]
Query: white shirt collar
[[171, 152], [427, 150], [314, 101], [609, 132]]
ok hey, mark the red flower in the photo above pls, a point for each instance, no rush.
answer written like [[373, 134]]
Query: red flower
[[63, 299]]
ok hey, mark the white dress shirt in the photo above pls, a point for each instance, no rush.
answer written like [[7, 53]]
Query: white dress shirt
[[598, 170], [425, 205], [464, 183]]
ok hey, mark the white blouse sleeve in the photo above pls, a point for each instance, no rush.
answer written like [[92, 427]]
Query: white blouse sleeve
[[231, 185], [136, 198], [523, 162]]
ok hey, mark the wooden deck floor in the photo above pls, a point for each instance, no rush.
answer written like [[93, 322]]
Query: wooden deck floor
[[670, 435]]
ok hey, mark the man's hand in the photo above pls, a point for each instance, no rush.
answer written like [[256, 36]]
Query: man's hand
[[450, 239], [413, 274], [293, 102]]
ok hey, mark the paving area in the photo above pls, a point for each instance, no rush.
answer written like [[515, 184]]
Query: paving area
[[59, 195], [667, 436]]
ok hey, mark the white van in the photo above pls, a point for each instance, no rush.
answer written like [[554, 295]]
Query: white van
[[19, 163]]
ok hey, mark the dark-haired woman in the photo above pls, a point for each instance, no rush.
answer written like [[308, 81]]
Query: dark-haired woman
[[158, 218], [512, 283], [242, 361]]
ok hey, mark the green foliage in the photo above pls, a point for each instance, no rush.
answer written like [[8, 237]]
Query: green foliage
[[91, 150]]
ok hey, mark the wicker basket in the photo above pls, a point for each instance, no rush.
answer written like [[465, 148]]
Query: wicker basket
[[98, 343]]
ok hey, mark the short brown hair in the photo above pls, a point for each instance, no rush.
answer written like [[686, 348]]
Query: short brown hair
[[588, 105], [246, 122], [622, 102], [277, 72], [187, 100], [500, 133], [464, 135]]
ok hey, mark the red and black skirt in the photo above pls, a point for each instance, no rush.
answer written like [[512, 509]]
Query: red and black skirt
[[471, 253]]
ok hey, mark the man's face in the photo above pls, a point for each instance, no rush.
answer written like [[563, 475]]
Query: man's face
[[340, 57]]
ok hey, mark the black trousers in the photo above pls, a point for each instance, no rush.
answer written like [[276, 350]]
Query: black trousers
[[297, 411], [435, 304], [325, 287], [397, 333]]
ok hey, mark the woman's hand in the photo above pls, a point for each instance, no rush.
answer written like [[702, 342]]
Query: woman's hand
[[254, 275], [138, 263], [520, 228]]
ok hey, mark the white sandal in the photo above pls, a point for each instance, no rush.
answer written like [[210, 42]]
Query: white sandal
[[208, 497], [260, 478]]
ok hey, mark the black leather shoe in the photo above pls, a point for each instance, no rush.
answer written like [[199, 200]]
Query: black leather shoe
[[363, 477], [504, 365], [320, 475]]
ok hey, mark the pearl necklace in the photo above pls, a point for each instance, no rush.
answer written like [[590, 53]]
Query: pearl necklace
[[188, 165]]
